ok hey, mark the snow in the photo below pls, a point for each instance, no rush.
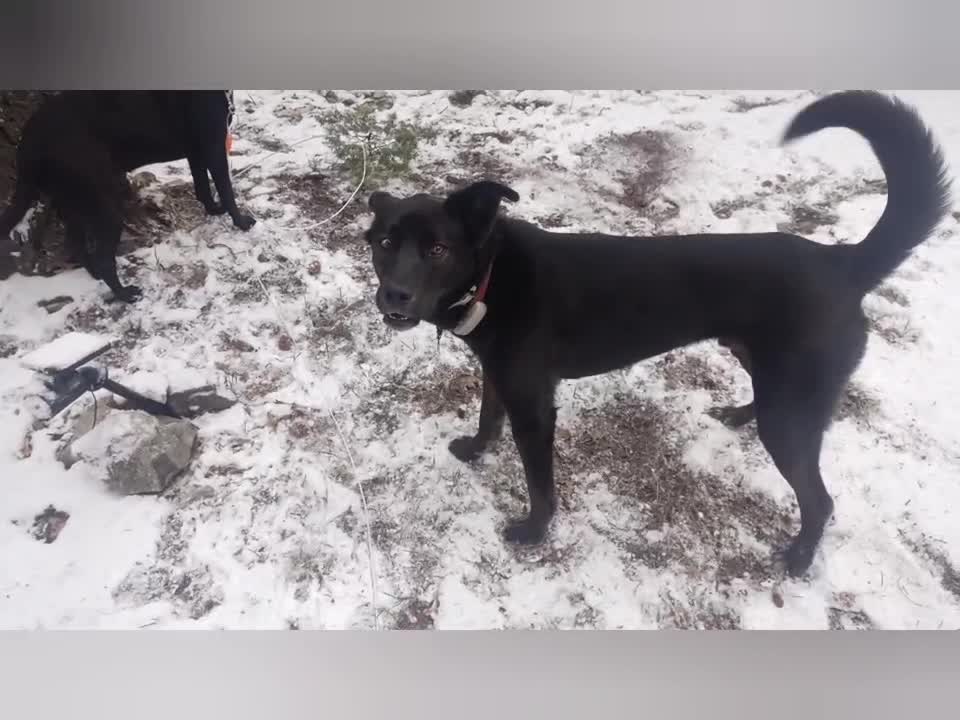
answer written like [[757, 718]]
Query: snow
[[267, 529], [65, 350]]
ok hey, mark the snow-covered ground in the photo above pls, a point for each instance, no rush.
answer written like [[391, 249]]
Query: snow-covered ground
[[667, 518]]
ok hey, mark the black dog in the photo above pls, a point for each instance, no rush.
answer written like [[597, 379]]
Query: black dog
[[537, 307], [78, 147]]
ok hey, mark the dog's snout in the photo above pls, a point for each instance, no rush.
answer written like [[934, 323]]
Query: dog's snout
[[396, 297]]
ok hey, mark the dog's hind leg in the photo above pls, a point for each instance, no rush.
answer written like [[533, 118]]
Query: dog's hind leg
[[75, 243], [795, 395], [201, 185], [735, 416], [106, 231], [492, 412], [216, 161]]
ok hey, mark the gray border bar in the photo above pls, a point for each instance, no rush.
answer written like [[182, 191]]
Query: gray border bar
[[498, 44], [481, 674]]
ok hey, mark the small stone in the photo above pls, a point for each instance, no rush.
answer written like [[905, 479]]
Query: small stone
[[777, 598], [48, 524], [55, 304], [314, 268], [285, 343]]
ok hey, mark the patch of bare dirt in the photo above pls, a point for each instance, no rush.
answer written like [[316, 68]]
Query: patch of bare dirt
[[318, 198], [896, 331], [695, 611], [632, 443], [925, 549], [892, 294], [642, 163], [844, 614], [441, 392], [859, 405], [743, 105], [684, 370], [464, 98], [805, 219]]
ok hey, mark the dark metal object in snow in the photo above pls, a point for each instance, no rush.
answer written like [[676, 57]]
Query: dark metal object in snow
[[73, 381]]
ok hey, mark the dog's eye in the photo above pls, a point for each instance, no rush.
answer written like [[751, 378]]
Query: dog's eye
[[386, 242], [438, 250]]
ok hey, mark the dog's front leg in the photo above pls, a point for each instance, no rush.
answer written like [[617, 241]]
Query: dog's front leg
[[217, 163], [492, 412], [533, 419]]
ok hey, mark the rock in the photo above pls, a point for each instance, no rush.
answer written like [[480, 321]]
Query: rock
[[135, 453], [197, 401], [89, 417]]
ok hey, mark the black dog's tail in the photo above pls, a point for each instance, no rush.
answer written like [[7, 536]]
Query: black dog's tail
[[24, 196], [918, 189]]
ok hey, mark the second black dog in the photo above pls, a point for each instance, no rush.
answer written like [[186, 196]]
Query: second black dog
[[77, 148], [537, 307]]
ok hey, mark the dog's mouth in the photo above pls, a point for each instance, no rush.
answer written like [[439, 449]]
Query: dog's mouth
[[399, 321]]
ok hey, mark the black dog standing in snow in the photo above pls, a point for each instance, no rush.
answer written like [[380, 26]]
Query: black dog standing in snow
[[78, 147], [537, 307]]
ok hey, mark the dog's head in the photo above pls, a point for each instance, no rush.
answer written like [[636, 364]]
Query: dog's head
[[428, 251]]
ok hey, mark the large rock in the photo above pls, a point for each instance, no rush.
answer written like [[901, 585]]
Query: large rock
[[134, 452]]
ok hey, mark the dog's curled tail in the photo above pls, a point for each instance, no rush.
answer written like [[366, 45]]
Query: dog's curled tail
[[24, 196], [918, 189]]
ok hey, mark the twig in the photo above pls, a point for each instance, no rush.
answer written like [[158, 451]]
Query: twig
[[906, 595]]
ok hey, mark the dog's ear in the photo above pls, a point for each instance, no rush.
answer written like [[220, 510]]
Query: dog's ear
[[476, 205], [380, 201]]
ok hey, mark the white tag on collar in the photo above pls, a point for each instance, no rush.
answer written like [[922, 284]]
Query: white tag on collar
[[475, 313]]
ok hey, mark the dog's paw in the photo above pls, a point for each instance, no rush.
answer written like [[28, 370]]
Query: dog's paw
[[525, 531], [215, 209], [465, 449], [795, 559], [244, 222], [733, 416], [128, 294]]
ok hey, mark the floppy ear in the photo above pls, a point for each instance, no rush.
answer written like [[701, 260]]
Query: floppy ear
[[476, 205], [380, 201]]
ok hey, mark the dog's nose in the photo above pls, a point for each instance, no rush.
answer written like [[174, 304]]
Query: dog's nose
[[395, 297]]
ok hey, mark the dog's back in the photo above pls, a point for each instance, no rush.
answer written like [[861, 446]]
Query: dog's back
[[136, 128]]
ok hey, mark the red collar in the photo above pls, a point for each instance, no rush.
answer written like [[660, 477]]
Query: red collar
[[484, 284]]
